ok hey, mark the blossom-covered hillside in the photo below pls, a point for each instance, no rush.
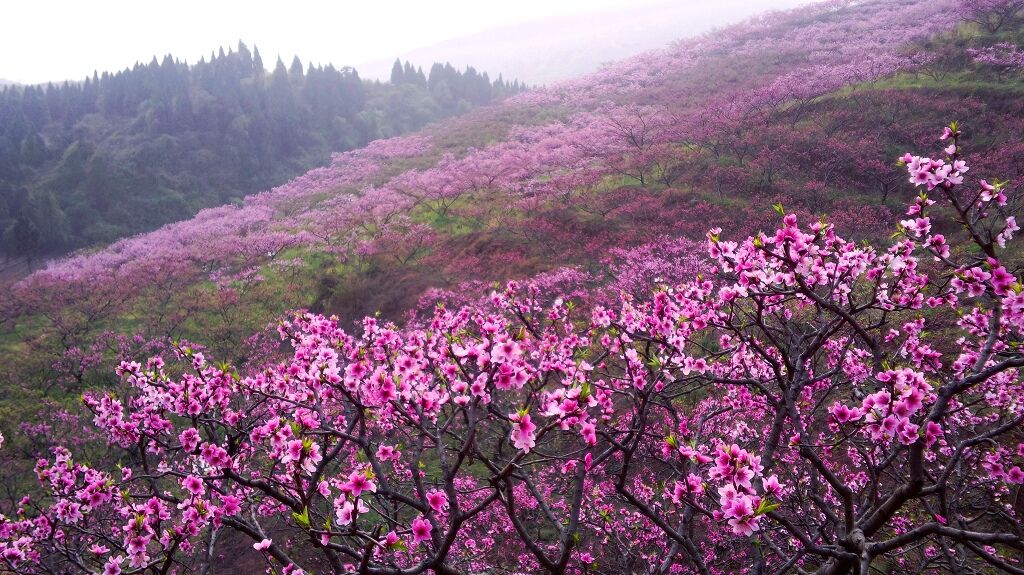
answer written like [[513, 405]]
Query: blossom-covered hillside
[[567, 339]]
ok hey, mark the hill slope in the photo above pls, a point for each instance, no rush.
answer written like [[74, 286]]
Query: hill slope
[[711, 126]]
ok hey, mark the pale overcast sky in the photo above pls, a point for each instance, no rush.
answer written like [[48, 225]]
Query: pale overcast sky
[[53, 40]]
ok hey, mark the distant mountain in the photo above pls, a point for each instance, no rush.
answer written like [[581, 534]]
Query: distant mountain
[[556, 49], [86, 163], [6, 82]]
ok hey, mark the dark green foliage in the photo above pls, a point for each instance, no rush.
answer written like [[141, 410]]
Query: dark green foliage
[[85, 163]]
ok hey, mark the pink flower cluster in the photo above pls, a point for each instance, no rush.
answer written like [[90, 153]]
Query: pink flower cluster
[[889, 413], [738, 469]]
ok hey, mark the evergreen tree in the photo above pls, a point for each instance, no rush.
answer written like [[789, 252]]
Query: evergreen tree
[[257, 62], [25, 238], [397, 73], [295, 71], [245, 58]]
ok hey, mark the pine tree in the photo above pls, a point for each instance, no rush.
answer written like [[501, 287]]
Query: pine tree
[[257, 62], [295, 71], [436, 75], [397, 74], [25, 238], [245, 57]]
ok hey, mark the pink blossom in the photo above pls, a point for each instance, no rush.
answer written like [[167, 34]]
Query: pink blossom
[[262, 545], [421, 529], [523, 432], [437, 500], [193, 485], [359, 482]]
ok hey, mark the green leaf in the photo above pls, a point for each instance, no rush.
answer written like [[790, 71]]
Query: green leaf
[[766, 507], [302, 519]]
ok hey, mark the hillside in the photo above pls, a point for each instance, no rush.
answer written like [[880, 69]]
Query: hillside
[[722, 126], [545, 257], [84, 164]]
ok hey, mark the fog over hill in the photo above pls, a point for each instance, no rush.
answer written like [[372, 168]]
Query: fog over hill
[[541, 52]]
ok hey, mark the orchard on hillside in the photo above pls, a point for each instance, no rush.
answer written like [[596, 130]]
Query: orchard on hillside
[[665, 144], [816, 405]]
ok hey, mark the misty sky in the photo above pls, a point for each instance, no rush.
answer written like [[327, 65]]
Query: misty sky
[[49, 40]]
